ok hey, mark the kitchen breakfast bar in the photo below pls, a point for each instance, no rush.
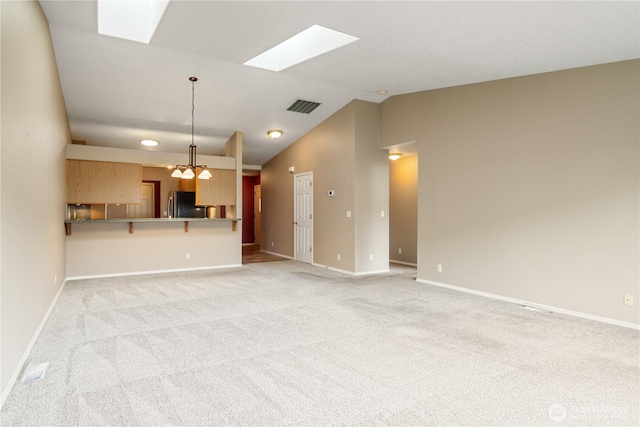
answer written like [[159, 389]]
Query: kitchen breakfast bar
[[116, 247]]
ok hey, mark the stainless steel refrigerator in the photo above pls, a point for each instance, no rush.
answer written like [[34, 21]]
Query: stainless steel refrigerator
[[182, 204]]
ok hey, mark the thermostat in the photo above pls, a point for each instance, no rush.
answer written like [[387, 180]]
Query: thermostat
[[330, 193]]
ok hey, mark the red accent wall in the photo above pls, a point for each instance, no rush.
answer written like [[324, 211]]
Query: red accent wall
[[247, 207]]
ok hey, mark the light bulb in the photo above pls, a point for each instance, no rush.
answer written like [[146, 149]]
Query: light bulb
[[188, 174], [204, 174], [275, 133]]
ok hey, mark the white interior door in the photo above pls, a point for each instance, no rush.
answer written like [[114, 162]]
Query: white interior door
[[303, 217], [145, 208]]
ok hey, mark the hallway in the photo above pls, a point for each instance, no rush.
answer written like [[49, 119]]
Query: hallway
[[251, 254]]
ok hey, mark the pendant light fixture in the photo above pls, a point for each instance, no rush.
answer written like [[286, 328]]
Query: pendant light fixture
[[189, 171]]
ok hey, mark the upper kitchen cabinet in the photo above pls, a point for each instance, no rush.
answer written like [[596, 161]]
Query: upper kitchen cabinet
[[103, 182], [186, 185], [218, 190]]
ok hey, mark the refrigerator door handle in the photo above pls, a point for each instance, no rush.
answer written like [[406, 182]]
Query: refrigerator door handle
[[170, 207]]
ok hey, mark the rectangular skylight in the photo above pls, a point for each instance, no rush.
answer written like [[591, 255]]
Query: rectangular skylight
[[314, 41], [134, 20]]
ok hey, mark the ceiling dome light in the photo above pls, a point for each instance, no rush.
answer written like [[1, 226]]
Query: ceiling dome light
[[149, 142], [394, 156], [274, 133]]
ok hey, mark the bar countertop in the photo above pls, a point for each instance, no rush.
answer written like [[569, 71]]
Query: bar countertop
[[68, 222], [78, 221]]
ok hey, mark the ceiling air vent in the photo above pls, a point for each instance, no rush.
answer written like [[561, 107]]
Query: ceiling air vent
[[304, 107]]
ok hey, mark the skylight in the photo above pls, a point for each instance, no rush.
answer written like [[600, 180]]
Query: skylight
[[314, 41], [135, 20]]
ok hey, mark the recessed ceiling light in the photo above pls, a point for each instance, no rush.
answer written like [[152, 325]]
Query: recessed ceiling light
[[394, 156], [149, 142], [382, 92], [314, 41], [130, 20], [274, 133]]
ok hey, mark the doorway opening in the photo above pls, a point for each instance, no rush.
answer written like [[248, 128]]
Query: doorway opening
[[403, 206]]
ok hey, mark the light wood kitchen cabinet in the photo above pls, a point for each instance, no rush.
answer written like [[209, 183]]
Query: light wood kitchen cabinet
[[103, 182], [186, 185], [219, 190]]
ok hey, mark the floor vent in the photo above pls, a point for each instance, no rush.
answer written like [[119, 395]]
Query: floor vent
[[35, 373], [304, 107], [536, 309]]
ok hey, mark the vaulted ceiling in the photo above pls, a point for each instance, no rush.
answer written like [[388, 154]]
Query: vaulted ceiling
[[118, 92]]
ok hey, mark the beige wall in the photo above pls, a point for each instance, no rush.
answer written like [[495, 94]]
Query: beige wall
[[327, 151], [403, 209], [34, 134], [233, 149], [529, 186], [144, 157], [371, 214], [343, 154]]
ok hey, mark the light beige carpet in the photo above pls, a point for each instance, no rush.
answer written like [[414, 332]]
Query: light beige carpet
[[285, 343]]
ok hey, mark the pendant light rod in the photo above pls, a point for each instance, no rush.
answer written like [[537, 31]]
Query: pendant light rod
[[193, 81], [188, 171], [192, 147]]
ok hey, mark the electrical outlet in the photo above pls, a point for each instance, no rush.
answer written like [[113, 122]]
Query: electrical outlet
[[400, 251], [338, 257], [381, 214], [439, 268], [188, 255], [370, 257], [628, 299], [348, 214]]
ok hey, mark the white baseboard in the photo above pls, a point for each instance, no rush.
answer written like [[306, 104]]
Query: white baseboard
[[411, 264], [337, 270], [533, 304], [25, 355], [368, 273], [277, 254], [139, 273], [350, 273]]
